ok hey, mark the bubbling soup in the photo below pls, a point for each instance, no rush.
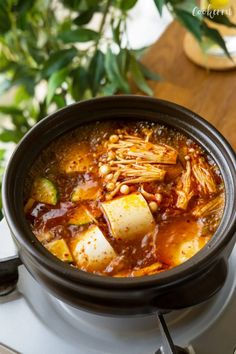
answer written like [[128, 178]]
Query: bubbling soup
[[124, 199]]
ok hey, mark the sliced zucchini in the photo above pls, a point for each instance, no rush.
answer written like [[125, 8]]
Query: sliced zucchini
[[44, 191], [87, 191], [80, 216], [60, 249]]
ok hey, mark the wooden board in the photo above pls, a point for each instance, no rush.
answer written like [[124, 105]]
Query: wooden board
[[212, 94]]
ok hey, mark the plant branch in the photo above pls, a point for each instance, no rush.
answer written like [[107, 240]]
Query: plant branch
[[103, 22]]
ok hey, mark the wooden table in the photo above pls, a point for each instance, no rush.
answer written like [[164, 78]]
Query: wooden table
[[210, 94]]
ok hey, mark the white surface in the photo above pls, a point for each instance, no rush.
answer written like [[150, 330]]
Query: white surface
[[7, 246], [41, 324], [145, 25]]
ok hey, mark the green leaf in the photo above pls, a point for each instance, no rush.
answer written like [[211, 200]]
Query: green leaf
[[54, 82], [19, 121], [17, 117], [138, 76], [139, 53], [8, 135], [21, 125], [83, 18], [5, 21], [221, 19], [23, 6], [123, 61], [214, 35], [116, 31], [2, 155], [80, 5], [36, 53], [71, 4], [80, 83], [28, 82], [149, 74], [109, 89], [24, 75], [189, 6], [10, 110], [42, 112], [192, 23], [22, 21], [78, 35], [96, 71], [5, 63], [113, 72], [58, 60], [21, 95], [159, 4], [59, 100], [126, 5]]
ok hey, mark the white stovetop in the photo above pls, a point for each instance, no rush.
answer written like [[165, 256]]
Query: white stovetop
[[34, 322]]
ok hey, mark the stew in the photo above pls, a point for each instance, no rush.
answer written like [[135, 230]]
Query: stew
[[124, 199]]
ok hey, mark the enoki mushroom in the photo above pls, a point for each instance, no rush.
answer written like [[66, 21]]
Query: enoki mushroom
[[133, 160]]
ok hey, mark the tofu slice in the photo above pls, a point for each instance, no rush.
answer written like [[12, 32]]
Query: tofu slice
[[29, 204], [85, 191], [75, 158], [129, 217], [92, 251], [189, 248], [180, 240]]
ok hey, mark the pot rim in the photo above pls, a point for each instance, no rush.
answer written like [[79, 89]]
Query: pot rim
[[25, 237]]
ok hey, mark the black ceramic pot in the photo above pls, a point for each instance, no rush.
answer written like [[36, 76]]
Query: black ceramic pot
[[190, 283]]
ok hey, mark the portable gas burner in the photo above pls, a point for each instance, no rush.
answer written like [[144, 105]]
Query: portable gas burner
[[147, 309], [34, 322]]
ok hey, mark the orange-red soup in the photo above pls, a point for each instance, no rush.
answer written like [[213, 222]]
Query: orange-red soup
[[124, 199]]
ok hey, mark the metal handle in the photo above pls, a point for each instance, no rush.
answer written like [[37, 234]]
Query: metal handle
[[168, 346], [9, 261]]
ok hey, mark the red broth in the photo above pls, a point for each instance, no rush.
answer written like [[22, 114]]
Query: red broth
[[124, 199]]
